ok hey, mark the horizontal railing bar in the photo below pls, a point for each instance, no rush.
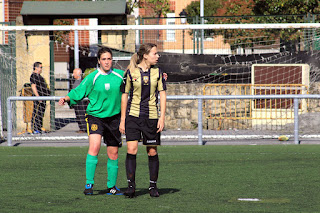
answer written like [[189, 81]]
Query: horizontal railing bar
[[160, 27], [184, 97], [200, 98]]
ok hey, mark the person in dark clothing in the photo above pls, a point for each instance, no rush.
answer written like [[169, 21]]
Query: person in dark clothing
[[143, 82], [39, 87], [80, 108]]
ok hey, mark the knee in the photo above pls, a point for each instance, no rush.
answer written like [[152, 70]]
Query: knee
[[132, 150], [94, 150], [112, 152], [113, 156], [151, 151]]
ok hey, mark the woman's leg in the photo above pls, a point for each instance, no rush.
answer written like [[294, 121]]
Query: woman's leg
[[92, 157], [132, 149], [112, 166], [153, 170]]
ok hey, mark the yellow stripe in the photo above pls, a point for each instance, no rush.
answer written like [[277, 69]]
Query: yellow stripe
[[87, 124]]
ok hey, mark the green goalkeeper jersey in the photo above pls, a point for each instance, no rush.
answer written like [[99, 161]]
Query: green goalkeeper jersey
[[103, 92]]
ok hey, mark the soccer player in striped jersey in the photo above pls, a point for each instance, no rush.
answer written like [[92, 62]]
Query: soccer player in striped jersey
[[102, 88], [143, 82]]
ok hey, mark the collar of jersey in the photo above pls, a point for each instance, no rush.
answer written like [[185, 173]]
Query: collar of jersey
[[141, 70], [102, 73]]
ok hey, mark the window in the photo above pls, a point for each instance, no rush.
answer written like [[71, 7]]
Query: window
[[171, 34]]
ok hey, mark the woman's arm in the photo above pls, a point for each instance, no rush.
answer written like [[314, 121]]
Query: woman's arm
[[163, 103], [63, 100], [124, 103]]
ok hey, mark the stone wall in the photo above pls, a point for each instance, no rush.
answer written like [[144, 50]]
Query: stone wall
[[183, 114]]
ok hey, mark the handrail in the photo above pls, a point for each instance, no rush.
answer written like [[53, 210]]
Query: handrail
[[200, 99]]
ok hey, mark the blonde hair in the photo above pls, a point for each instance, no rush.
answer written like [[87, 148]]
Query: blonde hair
[[138, 57]]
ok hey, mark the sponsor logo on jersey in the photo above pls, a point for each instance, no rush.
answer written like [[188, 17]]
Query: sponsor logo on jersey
[[94, 127], [107, 86], [145, 80], [151, 141]]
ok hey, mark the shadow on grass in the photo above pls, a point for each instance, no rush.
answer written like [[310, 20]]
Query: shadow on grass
[[139, 192]]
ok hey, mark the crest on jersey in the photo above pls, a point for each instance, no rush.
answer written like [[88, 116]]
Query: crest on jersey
[[145, 80], [94, 127], [107, 86]]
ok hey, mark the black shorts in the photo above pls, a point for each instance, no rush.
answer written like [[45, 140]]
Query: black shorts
[[147, 127], [106, 127]]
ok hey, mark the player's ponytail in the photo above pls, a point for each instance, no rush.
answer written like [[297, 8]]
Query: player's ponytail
[[133, 62], [138, 57]]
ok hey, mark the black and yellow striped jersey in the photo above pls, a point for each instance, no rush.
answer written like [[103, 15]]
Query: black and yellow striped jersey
[[143, 89]]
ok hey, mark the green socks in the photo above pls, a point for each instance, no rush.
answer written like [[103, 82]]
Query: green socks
[[112, 167], [91, 165]]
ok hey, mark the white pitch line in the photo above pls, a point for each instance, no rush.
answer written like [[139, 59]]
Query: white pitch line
[[249, 199]]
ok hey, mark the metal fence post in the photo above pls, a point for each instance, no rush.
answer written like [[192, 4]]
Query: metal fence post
[[1, 123], [9, 122], [200, 142], [296, 120]]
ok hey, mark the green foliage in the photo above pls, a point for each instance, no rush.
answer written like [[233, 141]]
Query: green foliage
[[88, 71], [159, 7], [193, 9], [61, 36], [241, 12], [255, 11], [285, 7], [131, 5], [236, 8]]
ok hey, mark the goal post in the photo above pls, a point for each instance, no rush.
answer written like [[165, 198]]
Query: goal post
[[232, 52]]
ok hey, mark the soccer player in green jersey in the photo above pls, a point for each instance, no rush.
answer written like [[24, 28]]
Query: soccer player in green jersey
[[143, 82], [102, 88]]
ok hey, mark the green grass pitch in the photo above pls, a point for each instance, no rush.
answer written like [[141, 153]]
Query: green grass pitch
[[282, 178]]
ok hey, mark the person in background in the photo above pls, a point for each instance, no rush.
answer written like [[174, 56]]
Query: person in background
[[102, 88], [79, 108], [39, 87], [139, 113]]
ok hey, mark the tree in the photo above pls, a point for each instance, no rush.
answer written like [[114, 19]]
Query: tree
[[236, 8], [131, 5], [236, 12], [193, 10], [62, 36], [211, 6], [285, 7], [298, 11], [159, 7]]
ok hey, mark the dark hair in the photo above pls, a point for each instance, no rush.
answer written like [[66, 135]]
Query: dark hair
[[138, 57], [36, 64], [103, 50]]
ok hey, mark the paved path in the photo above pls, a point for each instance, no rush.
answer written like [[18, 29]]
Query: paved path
[[68, 137]]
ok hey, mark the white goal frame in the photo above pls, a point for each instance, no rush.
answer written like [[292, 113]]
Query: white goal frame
[[160, 27]]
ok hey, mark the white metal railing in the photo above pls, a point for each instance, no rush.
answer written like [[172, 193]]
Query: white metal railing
[[161, 27], [200, 99]]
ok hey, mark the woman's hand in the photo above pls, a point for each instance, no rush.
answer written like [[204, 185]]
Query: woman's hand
[[160, 124], [122, 127], [165, 76], [62, 101]]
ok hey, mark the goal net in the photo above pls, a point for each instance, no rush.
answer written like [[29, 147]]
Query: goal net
[[249, 59]]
